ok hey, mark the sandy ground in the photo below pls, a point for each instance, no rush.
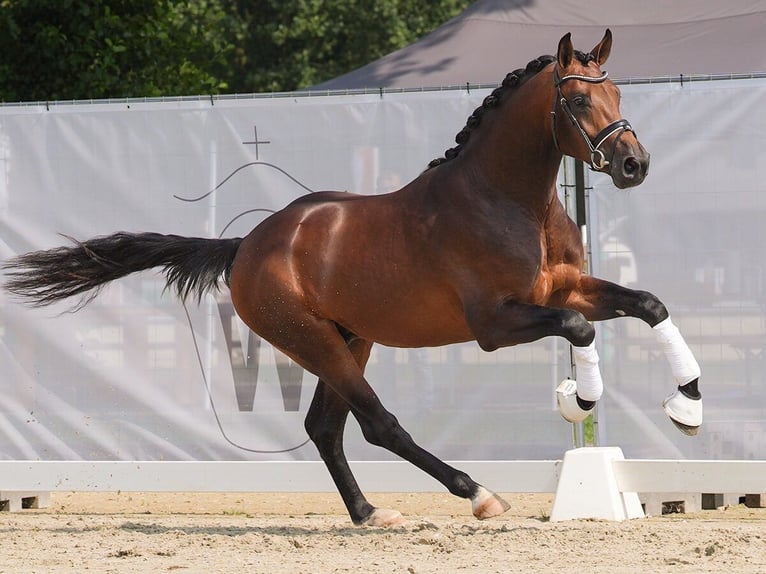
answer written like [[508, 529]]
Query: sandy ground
[[310, 533]]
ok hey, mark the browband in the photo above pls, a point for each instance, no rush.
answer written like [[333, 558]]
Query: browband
[[592, 79]]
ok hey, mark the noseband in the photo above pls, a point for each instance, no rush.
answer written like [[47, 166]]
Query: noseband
[[598, 160]]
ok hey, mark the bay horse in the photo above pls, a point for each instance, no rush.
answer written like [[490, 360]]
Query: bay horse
[[477, 248]]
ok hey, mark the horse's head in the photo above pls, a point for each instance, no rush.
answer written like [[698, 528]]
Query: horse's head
[[586, 120]]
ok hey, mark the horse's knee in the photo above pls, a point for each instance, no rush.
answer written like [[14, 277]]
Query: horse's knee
[[650, 308], [576, 328]]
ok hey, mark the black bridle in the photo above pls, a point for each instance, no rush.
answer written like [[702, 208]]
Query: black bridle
[[598, 160]]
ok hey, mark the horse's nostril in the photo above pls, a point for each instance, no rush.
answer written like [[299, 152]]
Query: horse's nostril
[[631, 166]]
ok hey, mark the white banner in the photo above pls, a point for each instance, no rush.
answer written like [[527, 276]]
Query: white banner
[[137, 375]]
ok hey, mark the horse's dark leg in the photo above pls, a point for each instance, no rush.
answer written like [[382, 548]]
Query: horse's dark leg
[[325, 423], [513, 323], [323, 351], [600, 300], [382, 429]]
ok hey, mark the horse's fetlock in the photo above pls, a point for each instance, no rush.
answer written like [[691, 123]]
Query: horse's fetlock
[[463, 486]]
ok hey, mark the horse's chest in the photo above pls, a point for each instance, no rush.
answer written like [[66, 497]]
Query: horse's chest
[[556, 273], [551, 280]]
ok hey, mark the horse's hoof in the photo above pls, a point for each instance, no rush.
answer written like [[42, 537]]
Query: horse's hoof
[[566, 399], [385, 518], [685, 413], [687, 430], [487, 504]]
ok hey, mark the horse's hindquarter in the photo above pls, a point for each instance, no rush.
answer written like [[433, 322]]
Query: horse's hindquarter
[[359, 261]]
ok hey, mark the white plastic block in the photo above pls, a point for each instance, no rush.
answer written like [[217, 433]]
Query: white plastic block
[[588, 488]]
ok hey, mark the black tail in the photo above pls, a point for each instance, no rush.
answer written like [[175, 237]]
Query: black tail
[[190, 264]]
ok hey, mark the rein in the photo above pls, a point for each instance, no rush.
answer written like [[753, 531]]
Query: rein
[[598, 160]]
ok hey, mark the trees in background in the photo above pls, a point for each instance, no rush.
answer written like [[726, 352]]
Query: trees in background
[[70, 49], [299, 43], [91, 49]]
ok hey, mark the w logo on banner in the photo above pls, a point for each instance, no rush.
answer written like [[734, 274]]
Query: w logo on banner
[[244, 348]]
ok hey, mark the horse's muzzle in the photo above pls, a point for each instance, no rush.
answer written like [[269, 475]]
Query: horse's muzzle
[[630, 169]]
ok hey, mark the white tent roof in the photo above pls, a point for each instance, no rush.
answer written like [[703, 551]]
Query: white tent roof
[[652, 38]]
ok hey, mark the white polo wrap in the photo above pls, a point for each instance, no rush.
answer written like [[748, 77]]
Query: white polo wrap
[[589, 383], [682, 362]]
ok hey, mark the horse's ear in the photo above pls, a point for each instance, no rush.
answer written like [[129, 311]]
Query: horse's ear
[[566, 50], [602, 49]]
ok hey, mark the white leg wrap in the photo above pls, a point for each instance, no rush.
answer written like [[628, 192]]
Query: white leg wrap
[[682, 362], [589, 383]]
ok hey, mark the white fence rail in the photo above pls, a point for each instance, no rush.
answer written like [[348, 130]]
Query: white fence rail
[[714, 476], [302, 476], [644, 476]]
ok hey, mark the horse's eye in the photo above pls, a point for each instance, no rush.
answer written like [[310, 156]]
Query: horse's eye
[[579, 101]]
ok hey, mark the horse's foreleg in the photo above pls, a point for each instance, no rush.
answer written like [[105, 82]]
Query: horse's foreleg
[[514, 323], [576, 399], [599, 300]]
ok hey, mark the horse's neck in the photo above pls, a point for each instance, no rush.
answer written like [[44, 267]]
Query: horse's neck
[[513, 154]]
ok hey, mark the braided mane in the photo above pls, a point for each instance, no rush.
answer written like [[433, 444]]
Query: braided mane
[[510, 82]]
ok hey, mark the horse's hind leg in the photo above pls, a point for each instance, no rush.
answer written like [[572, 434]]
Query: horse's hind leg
[[325, 423], [343, 388], [599, 300]]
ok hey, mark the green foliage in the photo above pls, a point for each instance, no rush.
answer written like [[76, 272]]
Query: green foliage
[[299, 43], [589, 431], [67, 49], [89, 49]]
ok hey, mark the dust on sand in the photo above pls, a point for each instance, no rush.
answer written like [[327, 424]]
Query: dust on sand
[[311, 533]]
